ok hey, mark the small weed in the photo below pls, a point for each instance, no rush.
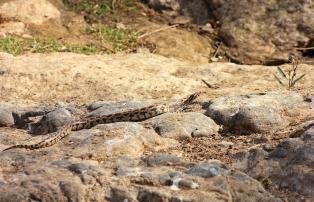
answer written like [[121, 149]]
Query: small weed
[[266, 182], [84, 49], [42, 45], [100, 7], [289, 78], [11, 45], [120, 39]]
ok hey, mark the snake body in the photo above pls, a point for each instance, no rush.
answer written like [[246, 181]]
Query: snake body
[[127, 116]]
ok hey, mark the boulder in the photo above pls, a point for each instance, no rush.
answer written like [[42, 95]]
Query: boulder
[[264, 32], [184, 125], [30, 12], [258, 113]]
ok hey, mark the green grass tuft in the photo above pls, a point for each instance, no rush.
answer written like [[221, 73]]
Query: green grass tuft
[[11, 45], [99, 8], [119, 39], [17, 45]]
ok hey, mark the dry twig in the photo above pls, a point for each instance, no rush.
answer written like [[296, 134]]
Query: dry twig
[[155, 31]]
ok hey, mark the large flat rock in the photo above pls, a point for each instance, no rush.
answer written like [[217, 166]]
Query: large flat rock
[[75, 78]]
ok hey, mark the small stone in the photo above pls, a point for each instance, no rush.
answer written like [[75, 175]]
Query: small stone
[[182, 20], [187, 184], [87, 179], [61, 163], [208, 169], [285, 147], [214, 59], [162, 159], [6, 117], [225, 144], [268, 147], [208, 28], [120, 26], [72, 191], [79, 168]]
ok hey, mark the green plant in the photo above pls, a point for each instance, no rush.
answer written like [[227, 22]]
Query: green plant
[[289, 78], [101, 7], [11, 45], [84, 49], [120, 39]]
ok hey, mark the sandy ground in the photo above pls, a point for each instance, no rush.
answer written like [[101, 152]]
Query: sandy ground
[[79, 79]]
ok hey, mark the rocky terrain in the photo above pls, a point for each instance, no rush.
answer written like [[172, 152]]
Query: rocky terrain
[[246, 138]]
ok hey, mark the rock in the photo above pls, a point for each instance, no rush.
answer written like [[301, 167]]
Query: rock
[[163, 4], [50, 177], [225, 144], [12, 28], [310, 100], [258, 113], [308, 136], [32, 11], [208, 28], [244, 160], [196, 9], [72, 191], [39, 18], [161, 159], [119, 193], [285, 147], [79, 168], [261, 31], [51, 122], [114, 140], [187, 184], [126, 165], [25, 116], [208, 169], [122, 77], [181, 20], [6, 117], [3, 71], [105, 108], [259, 120], [182, 44], [183, 125], [58, 117], [203, 185], [288, 166], [38, 180]]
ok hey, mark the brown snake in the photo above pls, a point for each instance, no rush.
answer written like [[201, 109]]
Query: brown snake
[[131, 115]]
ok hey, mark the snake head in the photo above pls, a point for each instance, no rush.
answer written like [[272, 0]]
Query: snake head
[[191, 98], [182, 104]]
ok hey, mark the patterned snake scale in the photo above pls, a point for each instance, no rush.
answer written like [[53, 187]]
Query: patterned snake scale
[[127, 116]]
